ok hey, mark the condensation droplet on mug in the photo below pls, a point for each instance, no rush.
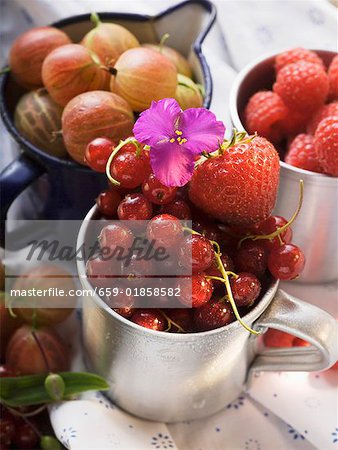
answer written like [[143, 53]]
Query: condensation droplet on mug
[[108, 335], [199, 403]]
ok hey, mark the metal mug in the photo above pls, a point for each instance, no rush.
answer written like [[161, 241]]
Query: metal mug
[[173, 377], [316, 228]]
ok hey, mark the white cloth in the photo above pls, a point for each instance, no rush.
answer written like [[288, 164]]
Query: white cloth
[[282, 411]]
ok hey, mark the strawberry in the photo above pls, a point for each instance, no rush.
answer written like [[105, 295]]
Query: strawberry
[[303, 86], [302, 154], [263, 112], [295, 55], [325, 111], [333, 79], [240, 186], [276, 338], [326, 145]]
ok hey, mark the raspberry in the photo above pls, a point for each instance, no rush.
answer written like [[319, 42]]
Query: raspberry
[[326, 144], [333, 79], [302, 86], [295, 55], [325, 111], [302, 154], [262, 114], [294, 123]]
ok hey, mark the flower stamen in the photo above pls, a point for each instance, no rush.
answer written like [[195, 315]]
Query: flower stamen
[[179, 139]]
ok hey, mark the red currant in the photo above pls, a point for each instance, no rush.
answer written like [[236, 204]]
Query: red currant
[[245, 289], [298, 342], [25, 437], [165, 230], [156, 192], [7, 429], [150, 318], [277, 338], [269, 226], [98, 152], [122, 303], [286, 262], [214, 314], [215, 272], [115, 235], [6, 371], [130, 168], [100, 271], [178, 208], [136, 270], [196, 253], [182, 317], [107, 202], [251, 257], [208, 229], [195, 291], [135, 207]]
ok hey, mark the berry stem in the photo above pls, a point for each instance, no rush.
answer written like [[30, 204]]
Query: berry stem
[[164, 38], [28, 414], [5, 70], [24, 417], [226, 281], [94, 17], [230, 296], [114, 152], [280, 230], [171, 322]]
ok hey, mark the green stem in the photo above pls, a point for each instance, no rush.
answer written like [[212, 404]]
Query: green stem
[[230, 296], [29, 414], [111, 157], [95, 19], [226, 281], [171, 322], [5, 70], [280, 230], [164, 38]]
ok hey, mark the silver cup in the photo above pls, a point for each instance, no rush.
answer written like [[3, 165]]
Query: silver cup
[[316, 228], [173, 377]]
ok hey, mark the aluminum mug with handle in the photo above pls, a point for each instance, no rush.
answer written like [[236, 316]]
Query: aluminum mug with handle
[[315, 229], [173, 377]]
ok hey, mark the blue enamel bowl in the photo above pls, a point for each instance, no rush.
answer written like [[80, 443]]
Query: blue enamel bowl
[[65, 189]]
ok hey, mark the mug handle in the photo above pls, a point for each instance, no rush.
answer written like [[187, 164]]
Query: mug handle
[[301, 319], [16, 177]]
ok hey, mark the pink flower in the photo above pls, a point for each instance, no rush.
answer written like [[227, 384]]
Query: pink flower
[[175, 137]]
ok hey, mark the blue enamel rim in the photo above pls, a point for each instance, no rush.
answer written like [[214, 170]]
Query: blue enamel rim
[[197, 48]]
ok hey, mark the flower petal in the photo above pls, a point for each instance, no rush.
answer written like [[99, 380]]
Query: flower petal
[[157, 123], [201, 129], [172, 164]]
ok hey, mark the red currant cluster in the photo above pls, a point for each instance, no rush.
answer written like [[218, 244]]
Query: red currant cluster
[[231, 267], [16, 431]]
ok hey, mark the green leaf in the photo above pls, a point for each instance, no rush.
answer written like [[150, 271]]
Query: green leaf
[[30, 389], [49, 443]]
